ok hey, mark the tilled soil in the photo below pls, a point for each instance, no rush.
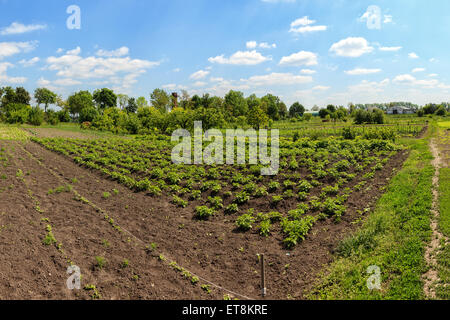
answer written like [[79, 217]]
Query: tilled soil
[[31, 270], [212, 249]]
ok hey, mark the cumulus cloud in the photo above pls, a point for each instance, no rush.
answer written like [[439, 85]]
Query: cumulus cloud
[[7, 79], [74, 52], [415, 70], [413, 55], [241, 58], [390, 49], [251, 44], [351, 47], [304, 25], [362, 71], [30, 62], [200, 74], [11, 48], [302, 58], [122, 71], [411, 80], [18, 28]]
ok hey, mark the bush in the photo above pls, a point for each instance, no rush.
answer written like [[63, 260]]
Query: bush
[[51, 117], [36, 116], [63, 115], [88, 114], [17, 113]]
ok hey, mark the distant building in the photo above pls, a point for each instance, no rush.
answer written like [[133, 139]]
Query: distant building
[[399, 110]]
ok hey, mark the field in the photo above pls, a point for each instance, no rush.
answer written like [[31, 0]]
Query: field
[[139, 226]]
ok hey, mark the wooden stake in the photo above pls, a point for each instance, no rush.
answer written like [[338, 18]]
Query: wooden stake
[[263, 277]]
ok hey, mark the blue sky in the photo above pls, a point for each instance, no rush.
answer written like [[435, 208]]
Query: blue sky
[[311, 51]]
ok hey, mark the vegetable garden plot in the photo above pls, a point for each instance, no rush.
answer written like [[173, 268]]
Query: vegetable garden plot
[[316, 178]]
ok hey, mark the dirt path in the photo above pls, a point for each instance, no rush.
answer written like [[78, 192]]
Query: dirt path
[[431, 277]]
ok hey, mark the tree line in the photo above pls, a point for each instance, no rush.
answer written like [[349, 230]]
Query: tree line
[[105, 110]]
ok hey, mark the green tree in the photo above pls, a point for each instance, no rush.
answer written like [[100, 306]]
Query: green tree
[[131, 106], [296, 110], [257, 118], [160, 100], [141, 102], [331, 108], [235, 104], [323, 113], [105, 98], [45, 96], [78, 101], [22, 96]]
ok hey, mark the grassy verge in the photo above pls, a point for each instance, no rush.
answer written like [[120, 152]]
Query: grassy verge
[[443, 258], [393, 238], [444, 201]]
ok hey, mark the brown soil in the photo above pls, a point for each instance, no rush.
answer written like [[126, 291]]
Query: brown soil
[[31, 270], [212, 249], [431, 277], [53, 133]]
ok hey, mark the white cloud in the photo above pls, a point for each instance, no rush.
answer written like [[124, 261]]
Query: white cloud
[[304, 25], [418, 70], [241, 58], [18, 28], [200, 74], [60, 50], [362, 71], [219, 79], [265, 45], [404, 78], [308, 71], [351, 47], [390, 49], [410, 80], [43, 82], [433, 60], [321, 88], [121, 71], [11, 48], [413, 55], [277, 79], [302, 58], [29, 63], [176, 70], [302, 22], [123, 51], [251, 44], [66, 82], [432, 75], [307, 29], [74, 52], [5, 78]]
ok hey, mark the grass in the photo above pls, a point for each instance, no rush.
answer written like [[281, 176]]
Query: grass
[[444, 201], [393, 238]]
